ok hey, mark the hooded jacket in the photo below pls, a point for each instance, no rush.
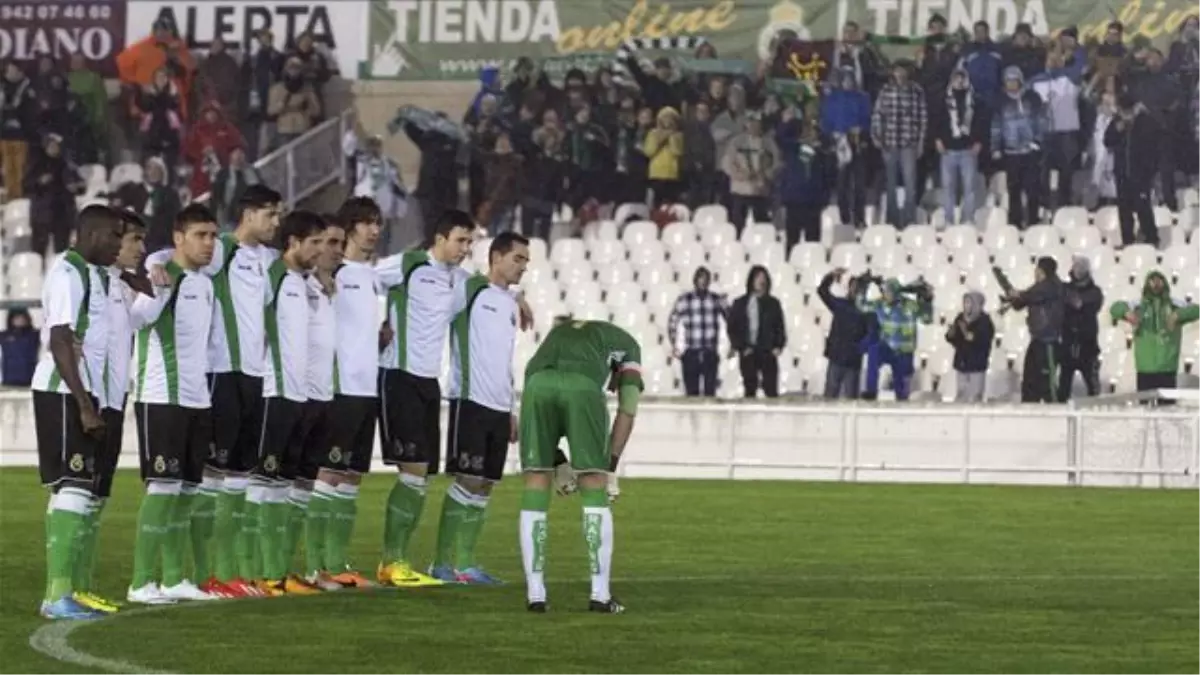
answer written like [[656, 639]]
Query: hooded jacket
[[772, 333], [983, 62], [664, 148], [1060, 94], [963, 119], [1128, 146], [1044, 304], [750, 162], [898, 319], [850, 326], [489, 83], [18, 351], [803, 178], [1155, 340], [971, 335], [1018, 125], [1081, 313], [843, 109], [208, 146]]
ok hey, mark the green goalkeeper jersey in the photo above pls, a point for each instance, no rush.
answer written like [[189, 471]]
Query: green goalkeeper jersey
[[591, 348]]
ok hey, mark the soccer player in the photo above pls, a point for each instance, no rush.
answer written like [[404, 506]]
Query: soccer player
[[564, 396], [110, 367], [481, 399], [68, 423], [171, 404], [235, 362], [419, 310], [334, 504], [285, 391]]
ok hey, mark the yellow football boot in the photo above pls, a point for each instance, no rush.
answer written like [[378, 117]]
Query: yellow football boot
[[402, 575]]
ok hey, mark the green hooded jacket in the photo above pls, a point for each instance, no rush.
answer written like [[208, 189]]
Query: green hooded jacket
[[1155, 344], [89, 87]]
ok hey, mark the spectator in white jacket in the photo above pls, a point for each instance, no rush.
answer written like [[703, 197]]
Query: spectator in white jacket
[[1059, 92], [379, 178]]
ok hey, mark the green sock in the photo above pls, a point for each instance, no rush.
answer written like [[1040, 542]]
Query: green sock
[[204, 505], [227, 522], [335, 524], [249, 544], [404, 507], [275, 524], [175, 543], [46, 520], [468, 532], [316, 520], [154, 518], [449, 525], [85, 555], [63, 530], [297, 514]]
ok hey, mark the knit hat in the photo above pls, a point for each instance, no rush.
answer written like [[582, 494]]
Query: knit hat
[[1024, 28], [1070, 31], [1048, 265], [1014, 73]]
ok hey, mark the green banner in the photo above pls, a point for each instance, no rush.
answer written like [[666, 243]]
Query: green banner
[[454, 39]]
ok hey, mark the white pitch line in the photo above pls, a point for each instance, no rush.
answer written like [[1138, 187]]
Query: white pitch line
[[53, 639]]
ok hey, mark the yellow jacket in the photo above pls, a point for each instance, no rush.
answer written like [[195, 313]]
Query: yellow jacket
[[664, 149]]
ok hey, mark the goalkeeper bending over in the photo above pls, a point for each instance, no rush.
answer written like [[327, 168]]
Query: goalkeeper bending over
[[564, 396]]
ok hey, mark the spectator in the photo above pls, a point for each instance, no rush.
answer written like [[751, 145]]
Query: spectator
[[88, 87], [524, 82], [845, 115], [1103, 182], [1183, 60], [545, 170], [1017, 129], [16, 119], [219, 79], [715, 96], [854, 51], [208, 146], [587, 150], [1075, 58], [314, 68], [936, 61], [140, 63], [155, 200], [505, 170], [803, 178], [731, 122], [1081, 329], [700, 313], [1110, 55], [1044, 317], [379, 178], [482, 123], [847, 332], [1157, 322], [750, 160], [659, 90], [44, 70], [161, 120], [437, 179], [260, 71], [1129, 135], [606, 96], [1025, 53], [898, 126], [629, 161], [959, 130], [1159, 92], [757, 334], [664, 151], [230, 183], [700, 157], [292, 103], [971, 335], [18, 349], [1059, 94], [57, 111], [896, 314], [983, 62], [51, 183]]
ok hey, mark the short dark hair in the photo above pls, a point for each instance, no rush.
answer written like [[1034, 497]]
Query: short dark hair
[[504, 242], [452, 218], [130, 218], [99, 217], [357, 210], [256, 197], [193, 214], [300, 225]]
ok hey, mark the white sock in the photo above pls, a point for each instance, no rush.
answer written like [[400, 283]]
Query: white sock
[[598, 534], [533, 554]]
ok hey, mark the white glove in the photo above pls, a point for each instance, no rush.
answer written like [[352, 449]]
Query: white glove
[[613, 489], [564, 480]]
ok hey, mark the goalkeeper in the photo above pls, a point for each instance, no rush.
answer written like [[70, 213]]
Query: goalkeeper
[[564, 396]]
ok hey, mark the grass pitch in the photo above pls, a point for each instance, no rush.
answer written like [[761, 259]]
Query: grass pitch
[[718, 576]]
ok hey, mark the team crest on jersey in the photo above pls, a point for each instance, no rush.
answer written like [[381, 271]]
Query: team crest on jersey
[[76, 463], [270, 463], [173, 465], [335, 455], [160, 464]]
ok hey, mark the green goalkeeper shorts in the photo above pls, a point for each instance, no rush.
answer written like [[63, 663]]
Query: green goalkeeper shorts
[[555, 404]]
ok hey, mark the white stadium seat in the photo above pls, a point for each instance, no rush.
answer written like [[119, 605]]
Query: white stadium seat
[[124, 173], [567, 252], [770, 255], [656, 273], [807, 253], [1109, 224], [537, 250], [605, 252], [616, 272], [717, 235], [638, 232], [679, 233], [1070, 217], [929, 256], [960, 236], [850, 256], [1039, 238], [623, 295], [759, 234], [707, 216], [877, 237], [997, 238], [575, 273], [918, 237], [603, 230], [649, 251], [1139, 258]]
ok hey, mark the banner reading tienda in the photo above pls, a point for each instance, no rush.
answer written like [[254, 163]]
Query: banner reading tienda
[[453, 39]]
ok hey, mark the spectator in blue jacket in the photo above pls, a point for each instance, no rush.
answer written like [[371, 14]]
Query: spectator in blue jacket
[[845, 116], [983, 60], [802, 183], [18, 350], [1017, 130], [847, 333], [1075, 56]]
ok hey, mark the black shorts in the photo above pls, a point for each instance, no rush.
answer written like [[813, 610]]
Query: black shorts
[[316, 432], [353, 434], [173, 441], [110, 450], [280, 439], [477, 440], [66, 455], [236, 420], [410, 409]]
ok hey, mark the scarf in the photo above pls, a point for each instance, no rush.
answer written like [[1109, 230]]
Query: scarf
[[960, 122]]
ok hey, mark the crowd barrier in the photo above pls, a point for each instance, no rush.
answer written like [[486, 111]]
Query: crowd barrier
[[1117, 445]]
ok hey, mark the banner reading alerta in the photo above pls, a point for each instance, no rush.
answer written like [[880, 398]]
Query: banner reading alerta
[[453, 39], [339, 26], [93, 28]]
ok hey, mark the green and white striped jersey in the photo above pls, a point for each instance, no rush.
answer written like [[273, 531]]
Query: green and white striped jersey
[[120, 342], [420, 306], [322, 339], [286, 327], [482, 338], [172, 332], [74, 294]]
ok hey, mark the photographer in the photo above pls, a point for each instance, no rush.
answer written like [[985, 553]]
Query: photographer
[[897, 312], [843, 346], [971, 335], [1044, 302], [1081, 327]]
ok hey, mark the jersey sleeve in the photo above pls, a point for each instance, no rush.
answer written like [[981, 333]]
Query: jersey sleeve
[[625, 355], [214, 266], [389, 271], [146, 310], [63, 298]]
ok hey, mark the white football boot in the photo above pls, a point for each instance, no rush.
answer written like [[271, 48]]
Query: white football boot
[[150, 594]]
